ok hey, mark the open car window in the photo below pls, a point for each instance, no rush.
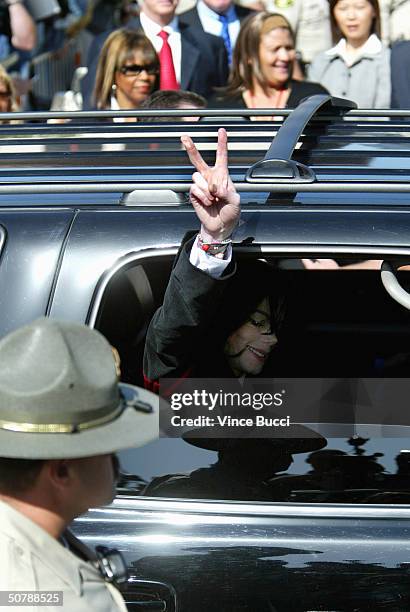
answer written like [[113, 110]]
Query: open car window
[[340, 323]]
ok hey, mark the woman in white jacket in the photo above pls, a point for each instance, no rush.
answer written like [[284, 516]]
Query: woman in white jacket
[[358, 67]]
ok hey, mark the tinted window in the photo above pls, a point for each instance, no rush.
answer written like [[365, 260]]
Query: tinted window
[[337, 324]]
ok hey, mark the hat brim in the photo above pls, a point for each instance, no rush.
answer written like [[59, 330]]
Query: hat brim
[[299, 439], [131, 429]]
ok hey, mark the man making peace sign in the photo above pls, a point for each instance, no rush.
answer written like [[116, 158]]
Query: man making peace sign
[[218, 319]]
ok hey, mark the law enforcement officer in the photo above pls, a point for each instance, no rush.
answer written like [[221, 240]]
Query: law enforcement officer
[[63, 414]]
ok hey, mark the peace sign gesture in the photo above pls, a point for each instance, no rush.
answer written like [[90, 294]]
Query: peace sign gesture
[[213, 195]]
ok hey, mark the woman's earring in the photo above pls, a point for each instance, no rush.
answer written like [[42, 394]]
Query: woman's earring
[[113, 89]]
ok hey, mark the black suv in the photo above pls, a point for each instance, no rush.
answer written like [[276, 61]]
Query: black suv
[[92, 214]]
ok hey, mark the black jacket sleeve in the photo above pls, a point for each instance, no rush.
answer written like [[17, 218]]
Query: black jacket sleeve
[[190, 303]]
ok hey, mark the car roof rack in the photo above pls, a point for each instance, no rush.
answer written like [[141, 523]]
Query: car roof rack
[[277, 164], [345, 151]]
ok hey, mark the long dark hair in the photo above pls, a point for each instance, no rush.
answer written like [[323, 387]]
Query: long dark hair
[[252, 282], [120, 45], [337, 34]]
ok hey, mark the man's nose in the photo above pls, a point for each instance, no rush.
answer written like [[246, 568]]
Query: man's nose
[[269, 339]]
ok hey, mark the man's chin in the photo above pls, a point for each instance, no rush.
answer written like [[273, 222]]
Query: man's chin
[[253, 371]]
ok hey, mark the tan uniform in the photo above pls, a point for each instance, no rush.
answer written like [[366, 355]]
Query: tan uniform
[[395, 20], [32, 560]]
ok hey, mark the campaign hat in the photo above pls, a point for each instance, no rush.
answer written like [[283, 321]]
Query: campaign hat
[[60, 395]]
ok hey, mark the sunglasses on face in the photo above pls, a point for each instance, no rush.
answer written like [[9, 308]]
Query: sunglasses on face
[[5, 95], [135, 69]]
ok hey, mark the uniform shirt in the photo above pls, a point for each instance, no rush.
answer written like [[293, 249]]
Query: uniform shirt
[[395, 20], [32, 560], [151, 31], [211, 23]]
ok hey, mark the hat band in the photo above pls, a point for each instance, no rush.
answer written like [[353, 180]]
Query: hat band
[[60, 427]]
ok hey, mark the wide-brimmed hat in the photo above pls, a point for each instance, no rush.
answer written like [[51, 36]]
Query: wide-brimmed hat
[[60, 396]]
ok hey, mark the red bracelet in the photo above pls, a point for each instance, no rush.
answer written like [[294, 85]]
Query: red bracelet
[[214, 248]]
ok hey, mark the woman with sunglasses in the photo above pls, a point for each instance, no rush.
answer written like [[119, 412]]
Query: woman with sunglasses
[[127, 73]]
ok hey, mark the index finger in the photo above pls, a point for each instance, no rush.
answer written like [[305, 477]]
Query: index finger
[[222, 149], [194, 155]]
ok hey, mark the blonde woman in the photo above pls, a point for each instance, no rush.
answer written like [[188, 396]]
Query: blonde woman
[[262, 67], [127, 72]]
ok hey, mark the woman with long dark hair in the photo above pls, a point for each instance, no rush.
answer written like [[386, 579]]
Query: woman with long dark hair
[[358, 66], [128, 71]]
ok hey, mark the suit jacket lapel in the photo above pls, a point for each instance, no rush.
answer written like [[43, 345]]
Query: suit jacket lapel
[[190, 57]]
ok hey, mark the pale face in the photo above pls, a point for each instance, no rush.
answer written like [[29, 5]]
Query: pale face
[[219, 6], [276, 57], [133, 86], [354, 18], [161, 11], [248, 348]]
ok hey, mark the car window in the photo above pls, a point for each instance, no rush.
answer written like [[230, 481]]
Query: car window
[[339, 323], [348, 470]]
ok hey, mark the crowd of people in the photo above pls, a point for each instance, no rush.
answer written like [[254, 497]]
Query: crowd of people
[[250, 54]]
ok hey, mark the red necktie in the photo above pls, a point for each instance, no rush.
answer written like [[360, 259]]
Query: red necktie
[[167, 79]]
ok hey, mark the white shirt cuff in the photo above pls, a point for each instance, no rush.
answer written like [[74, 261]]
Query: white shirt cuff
[[208, 263]]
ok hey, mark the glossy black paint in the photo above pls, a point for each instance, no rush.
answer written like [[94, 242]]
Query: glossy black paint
[[29, 263], [262, 557]]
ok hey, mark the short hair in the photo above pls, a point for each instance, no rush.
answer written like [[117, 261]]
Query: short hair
[[171, 99], [245, 61], [119, 46], [18, 475], [336, 32]]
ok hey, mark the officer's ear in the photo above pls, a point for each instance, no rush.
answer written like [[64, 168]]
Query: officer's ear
[[59, 471]]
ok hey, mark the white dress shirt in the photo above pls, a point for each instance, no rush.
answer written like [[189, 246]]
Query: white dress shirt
[[212, 25], [152, 29], [372, 46], [213, 266]]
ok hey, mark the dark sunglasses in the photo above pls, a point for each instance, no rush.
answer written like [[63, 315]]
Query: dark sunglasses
[[135, 69], [5, 95]]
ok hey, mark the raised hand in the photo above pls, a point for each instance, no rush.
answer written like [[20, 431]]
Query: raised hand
[[213, 195]]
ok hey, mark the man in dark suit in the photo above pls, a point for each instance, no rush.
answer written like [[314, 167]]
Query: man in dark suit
[[199, 59], [218, 17], [400, 74]]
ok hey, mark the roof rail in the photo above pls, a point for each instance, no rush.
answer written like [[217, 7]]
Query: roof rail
[[183, 187], [277, 164], [38, 116]]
